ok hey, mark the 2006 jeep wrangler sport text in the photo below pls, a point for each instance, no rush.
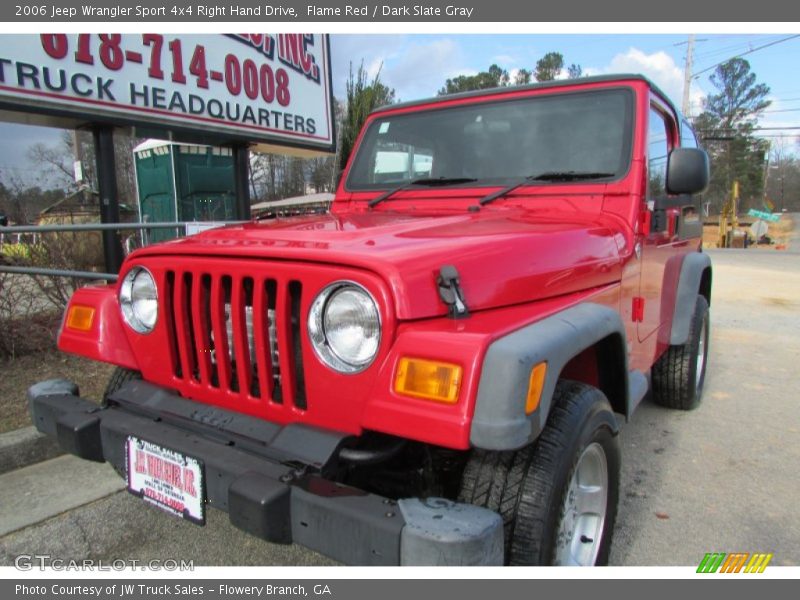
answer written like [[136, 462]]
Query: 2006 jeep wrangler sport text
[[428, 374]]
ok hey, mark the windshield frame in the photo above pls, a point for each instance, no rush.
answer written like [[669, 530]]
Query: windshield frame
[[387, 113]]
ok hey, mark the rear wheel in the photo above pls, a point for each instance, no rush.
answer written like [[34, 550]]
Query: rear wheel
[[678, 376], [558, 496]]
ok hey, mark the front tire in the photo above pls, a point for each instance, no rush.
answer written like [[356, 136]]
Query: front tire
[[558, 496], [679, 375], [118, 378]]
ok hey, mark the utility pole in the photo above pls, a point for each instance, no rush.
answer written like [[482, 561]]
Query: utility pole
[[687, 74]]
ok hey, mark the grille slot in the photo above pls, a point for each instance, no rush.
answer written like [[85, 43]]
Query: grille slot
[[295, 292], [238, 334], [249, 358]]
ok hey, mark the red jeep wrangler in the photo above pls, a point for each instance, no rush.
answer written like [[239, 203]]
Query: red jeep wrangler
[[430, 373]]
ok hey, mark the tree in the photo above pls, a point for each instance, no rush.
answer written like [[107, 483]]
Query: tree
[[321, 173], [22, 203], [295, 183], [522, 77], [782, 185], [740, 99], [491, 78], [60, 157], [727, 127], [549, 66], [55, 160], [363, 96]]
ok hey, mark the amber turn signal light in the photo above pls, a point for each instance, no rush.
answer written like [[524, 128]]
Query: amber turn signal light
[[535, 387], [80, 317], [428, 379]]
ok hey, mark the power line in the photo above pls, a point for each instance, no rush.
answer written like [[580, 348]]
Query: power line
[[786, 39], [734, 47], [750, 130], [778, 99], [699, 103], [774, 136], [787, 93]]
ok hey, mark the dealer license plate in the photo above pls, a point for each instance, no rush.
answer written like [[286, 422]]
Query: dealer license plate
[[165, 478]]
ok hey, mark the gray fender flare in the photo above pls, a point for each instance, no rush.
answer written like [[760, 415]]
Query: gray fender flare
[[499, 421], [692, 269]]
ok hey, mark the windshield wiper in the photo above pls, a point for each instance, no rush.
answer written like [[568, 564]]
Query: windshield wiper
[[571, 175], [429, 182], [546, 176]]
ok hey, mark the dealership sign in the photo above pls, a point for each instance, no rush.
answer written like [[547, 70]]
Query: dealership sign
[[268, 89]]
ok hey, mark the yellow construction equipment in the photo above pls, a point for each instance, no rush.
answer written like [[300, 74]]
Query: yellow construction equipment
[[728, 219]]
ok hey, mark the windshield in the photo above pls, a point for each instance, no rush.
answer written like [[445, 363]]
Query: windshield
[[499, 142]]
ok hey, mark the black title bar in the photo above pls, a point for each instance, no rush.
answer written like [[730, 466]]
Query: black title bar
[[250, 11]]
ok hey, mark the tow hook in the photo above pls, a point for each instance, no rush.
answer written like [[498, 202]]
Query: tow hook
[[297, 471]]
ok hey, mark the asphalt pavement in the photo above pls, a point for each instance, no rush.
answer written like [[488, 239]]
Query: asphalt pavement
[[720, 478]]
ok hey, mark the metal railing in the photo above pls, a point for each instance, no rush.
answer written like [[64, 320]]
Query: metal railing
[[17, 230], [92, 275]]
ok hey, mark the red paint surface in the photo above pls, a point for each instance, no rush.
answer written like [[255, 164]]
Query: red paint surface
[[522, 258]]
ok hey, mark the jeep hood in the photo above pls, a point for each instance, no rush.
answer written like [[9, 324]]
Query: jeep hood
[[504, 257]]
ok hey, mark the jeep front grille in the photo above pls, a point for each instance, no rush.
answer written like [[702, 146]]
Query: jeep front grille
[[272, 334], [237, 334]]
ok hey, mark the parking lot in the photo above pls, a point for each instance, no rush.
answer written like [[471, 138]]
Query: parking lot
[[720, 478]]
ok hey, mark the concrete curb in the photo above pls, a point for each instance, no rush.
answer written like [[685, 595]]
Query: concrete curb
[[25, 447]]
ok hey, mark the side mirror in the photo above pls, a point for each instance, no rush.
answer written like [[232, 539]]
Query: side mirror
[[687, 171]]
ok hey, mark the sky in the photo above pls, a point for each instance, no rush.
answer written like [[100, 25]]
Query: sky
[[417, 65]]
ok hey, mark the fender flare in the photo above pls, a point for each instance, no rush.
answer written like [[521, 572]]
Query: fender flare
[[499, 420], [692, 269]]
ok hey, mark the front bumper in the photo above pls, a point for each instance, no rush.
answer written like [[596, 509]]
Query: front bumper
[[269, 479]]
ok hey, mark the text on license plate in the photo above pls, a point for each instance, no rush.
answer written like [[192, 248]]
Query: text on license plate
[[165, 478]]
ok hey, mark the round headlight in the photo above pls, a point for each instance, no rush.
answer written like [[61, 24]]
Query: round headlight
[[138, 299], [345, 327]]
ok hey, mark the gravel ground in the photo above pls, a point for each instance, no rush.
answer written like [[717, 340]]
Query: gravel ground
[[724, 477]]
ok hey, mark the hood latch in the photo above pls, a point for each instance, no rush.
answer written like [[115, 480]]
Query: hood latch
[[450, 292]]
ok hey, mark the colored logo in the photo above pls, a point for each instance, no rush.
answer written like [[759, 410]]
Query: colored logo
[[736, 562]]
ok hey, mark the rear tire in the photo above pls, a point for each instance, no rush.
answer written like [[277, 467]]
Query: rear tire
[[558, 496], [678, 376]]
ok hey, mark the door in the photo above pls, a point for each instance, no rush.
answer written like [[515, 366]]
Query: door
[[657, 243]]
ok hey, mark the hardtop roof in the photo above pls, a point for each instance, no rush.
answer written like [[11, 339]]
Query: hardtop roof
[[499, 91]]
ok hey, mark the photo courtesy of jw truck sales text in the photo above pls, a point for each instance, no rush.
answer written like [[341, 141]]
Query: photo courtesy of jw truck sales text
[[433, 369]]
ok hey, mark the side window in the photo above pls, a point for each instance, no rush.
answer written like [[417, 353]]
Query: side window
[[688, 139], [657, 151]]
